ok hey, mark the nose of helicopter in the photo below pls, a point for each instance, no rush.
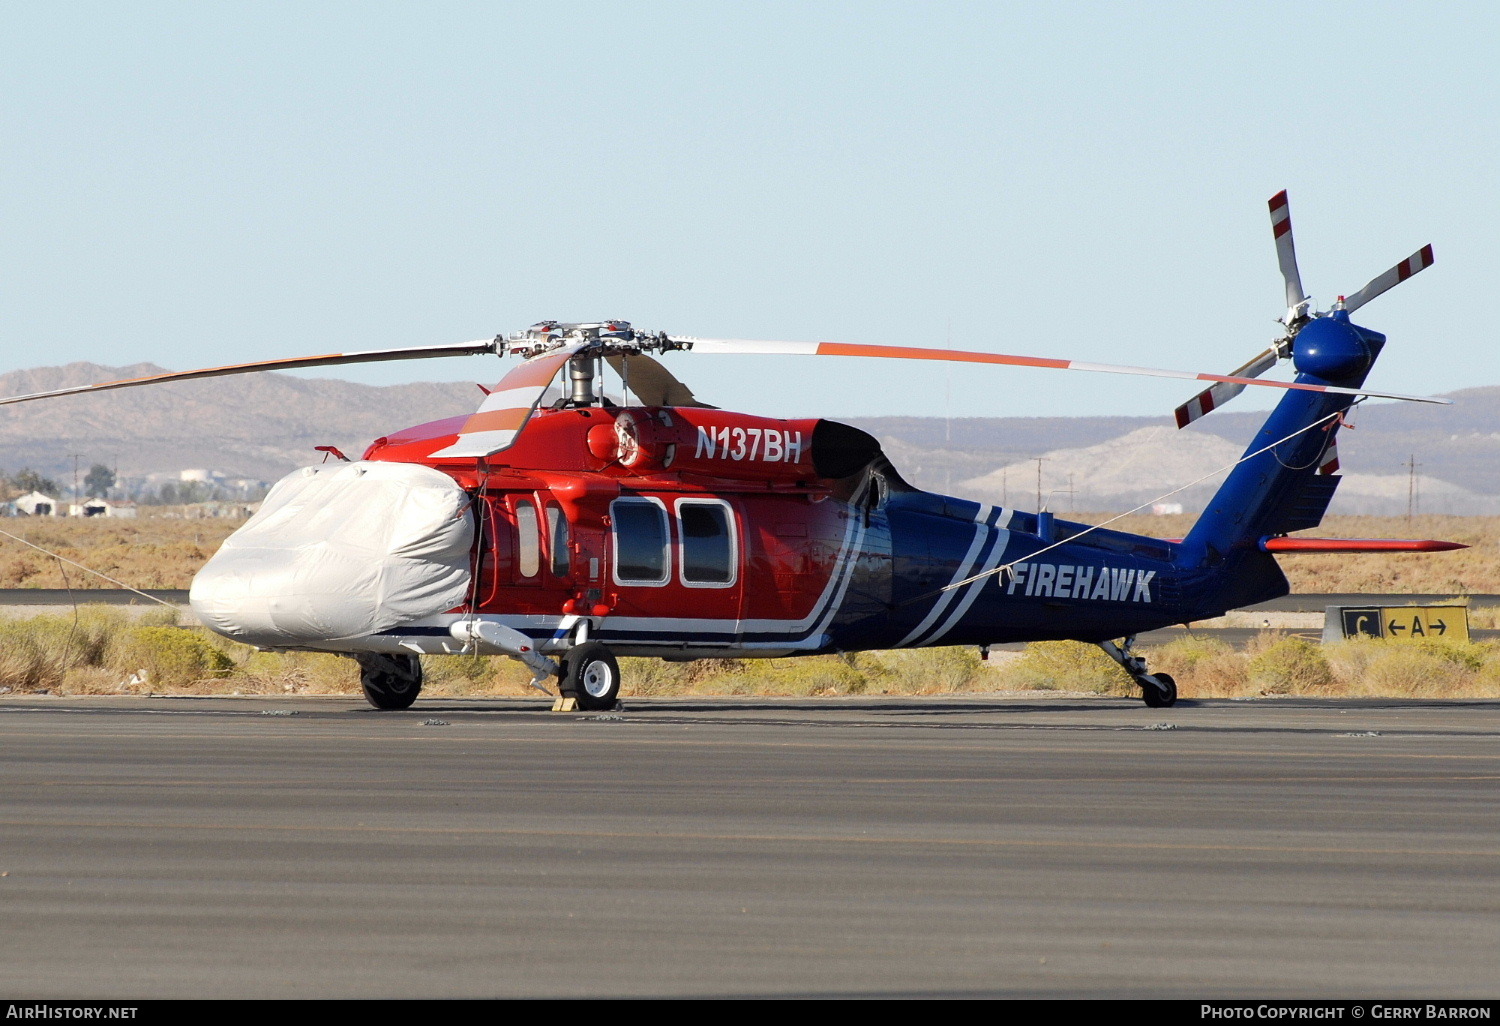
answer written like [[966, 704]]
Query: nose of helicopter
[[340, 551]]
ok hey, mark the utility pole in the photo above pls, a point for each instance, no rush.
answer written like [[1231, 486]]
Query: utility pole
[[1039, 460], [76, 457], [1411, 486]]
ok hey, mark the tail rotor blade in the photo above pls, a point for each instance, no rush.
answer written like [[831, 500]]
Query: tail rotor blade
[[1286, 253], [1214, 396], [1418, 261]]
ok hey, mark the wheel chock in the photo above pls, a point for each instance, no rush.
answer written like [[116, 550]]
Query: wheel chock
[[565, 703]]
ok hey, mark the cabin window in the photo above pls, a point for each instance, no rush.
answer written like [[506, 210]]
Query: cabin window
[[529, 539], [640, 541], [557, 540], [707, 543]]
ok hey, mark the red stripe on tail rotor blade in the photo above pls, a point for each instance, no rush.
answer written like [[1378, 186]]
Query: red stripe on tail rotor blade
[[1418, 261], [1278, 201]]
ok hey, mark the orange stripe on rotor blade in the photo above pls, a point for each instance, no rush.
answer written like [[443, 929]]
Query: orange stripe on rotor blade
[[953, 355], [496, 420]]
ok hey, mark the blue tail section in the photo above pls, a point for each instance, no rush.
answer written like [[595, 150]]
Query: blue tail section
[[1278, 488]]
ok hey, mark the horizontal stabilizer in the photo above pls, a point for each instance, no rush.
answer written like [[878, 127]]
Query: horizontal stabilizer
[[1357, 545]]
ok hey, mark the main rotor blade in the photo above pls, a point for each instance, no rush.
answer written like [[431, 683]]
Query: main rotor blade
[[1286, 251], [498, 422], [293, 363], [1418, 261], [759, 347], [1214, 396]]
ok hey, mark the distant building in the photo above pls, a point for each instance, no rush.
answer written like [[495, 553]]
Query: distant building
[[218, 509], [103, 508], [35, 504], [201, 476], [1166, 509]]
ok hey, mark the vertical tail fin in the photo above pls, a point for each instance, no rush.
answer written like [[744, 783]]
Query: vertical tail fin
[[1285, 482]]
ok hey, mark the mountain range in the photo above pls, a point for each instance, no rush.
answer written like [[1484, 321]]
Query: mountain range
[[260, 426]]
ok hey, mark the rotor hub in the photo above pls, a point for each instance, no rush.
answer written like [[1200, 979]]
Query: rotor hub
[[1331, 348]]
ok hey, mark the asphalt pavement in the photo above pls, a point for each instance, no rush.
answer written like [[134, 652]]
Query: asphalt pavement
[[964, 846]]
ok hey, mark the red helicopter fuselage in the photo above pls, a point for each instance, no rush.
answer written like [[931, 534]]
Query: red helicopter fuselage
[[729, 521]]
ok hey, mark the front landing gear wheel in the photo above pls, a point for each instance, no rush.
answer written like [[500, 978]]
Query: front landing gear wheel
[[1155, 697], [591, 676], [390, 681]]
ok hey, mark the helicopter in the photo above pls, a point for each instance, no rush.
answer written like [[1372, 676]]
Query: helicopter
[[568, 533]]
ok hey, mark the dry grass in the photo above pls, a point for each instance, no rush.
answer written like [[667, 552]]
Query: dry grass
[[1278, 664], [102, 651], [148, 552]]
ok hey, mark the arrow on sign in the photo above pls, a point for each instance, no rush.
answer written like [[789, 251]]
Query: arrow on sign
[[1440, 627], [1396, 626]]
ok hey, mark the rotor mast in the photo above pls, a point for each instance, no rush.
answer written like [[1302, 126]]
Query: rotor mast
[[603, 338]]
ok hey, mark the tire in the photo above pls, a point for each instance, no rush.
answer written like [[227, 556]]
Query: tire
[[591, 676], [390, 681], [1154, 697]]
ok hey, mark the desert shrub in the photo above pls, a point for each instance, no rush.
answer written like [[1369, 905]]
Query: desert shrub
[[648, 677], [320, 673], [39, 653], [160, 616], [1415, 670], [474, 675], [462, 671], [807, 675], [1487, 679], [1202, 665], [1065, 666], [916, 671], [1289, 665], [170, 656], [1466, 655], [25, 665], [1430, 668]]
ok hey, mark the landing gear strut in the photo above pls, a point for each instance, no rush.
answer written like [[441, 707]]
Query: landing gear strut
[[1158, 690], [390, 681]]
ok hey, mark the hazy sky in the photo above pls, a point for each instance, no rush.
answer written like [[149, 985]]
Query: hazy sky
[[193, 184]]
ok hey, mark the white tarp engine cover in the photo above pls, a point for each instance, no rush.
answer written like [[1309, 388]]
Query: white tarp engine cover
[[343, 550]]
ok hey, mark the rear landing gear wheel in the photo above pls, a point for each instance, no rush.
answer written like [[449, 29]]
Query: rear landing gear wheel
[[1155, 697], [591, 676], [390, 681]]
